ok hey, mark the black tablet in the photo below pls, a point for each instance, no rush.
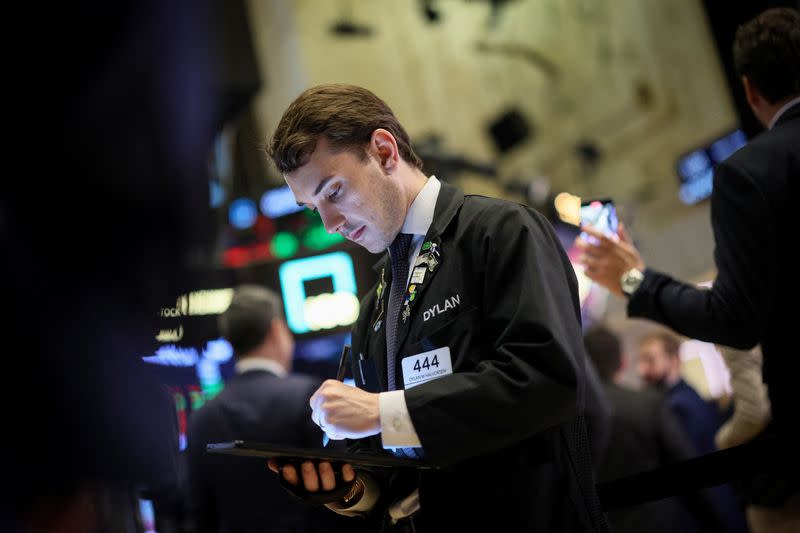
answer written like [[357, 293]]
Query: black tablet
[[287, 453]]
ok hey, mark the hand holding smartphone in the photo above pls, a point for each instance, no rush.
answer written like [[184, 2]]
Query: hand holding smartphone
[[601, 214]]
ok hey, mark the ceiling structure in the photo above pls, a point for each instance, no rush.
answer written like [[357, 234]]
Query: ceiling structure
[[607, 94]]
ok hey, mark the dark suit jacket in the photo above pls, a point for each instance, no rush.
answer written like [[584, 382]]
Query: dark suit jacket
[[646, 435], [700, 419], [752, 215], [240, 494], [507, 425]]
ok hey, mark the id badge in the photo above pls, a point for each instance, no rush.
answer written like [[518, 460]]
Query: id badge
[[426, 366]]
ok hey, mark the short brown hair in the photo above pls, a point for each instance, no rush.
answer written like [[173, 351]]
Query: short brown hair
[[767, 50], [247, 320], [345, 114], [671, 343], [604, 349]]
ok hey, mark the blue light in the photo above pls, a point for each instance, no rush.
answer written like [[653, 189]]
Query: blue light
[[216, 194], [327, 348], [336, 265], [694, 165], [698, 189], [696, 169], [147, 515], [208, 372], [171, 355], [242, 213], [724, 147], [218, 350], [279, 202], [223, 163]]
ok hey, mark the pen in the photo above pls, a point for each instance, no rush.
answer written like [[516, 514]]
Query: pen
[[339, 377], [343, 363]]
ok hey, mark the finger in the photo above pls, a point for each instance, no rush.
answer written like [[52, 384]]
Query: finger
[[592, 253], [289, 473], [603, 239], [310, 477], [591, 231], [623, 233], [272, 464], [326, 476], [315, 399], [592, 269], [348, 472], [589, 262]]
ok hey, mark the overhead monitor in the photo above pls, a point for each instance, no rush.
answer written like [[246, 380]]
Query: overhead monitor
[[695, 168]]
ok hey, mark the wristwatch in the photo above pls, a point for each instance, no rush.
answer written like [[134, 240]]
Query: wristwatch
[[630, 281], [354, 494]]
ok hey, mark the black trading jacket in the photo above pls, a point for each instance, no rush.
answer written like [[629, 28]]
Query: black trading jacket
[[507, 425]]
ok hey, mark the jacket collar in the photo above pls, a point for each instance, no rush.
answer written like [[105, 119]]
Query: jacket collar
[[447, 205], [791, 113]]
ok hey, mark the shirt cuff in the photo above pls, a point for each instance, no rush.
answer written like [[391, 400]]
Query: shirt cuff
[[397, 430]]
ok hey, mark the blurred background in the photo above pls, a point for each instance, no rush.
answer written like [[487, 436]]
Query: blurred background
[[539, 102], [543, 102]]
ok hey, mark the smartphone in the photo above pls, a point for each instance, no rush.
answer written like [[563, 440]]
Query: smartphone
[[601, 214]]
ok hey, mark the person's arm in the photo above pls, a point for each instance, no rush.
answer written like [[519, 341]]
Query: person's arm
[[525, 335], [751, 406], [728, 312]]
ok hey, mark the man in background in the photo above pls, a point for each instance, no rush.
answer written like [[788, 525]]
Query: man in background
[[659, 365], [752, 218], [261, 403], [645, 435]]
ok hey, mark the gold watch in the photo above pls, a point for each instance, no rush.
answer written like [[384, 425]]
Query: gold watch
[[354, 494]]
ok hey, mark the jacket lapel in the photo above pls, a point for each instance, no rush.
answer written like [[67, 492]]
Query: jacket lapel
[[429, 260], [447, 205]]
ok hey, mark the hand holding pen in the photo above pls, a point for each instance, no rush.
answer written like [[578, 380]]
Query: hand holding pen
[[343, 411], [339, 377]]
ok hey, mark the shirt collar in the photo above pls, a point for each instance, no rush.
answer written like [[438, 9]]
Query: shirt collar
[[259, 363], [420, 214], [782, 110]]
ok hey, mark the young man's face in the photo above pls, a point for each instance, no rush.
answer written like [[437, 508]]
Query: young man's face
[[653, 362], [355, 198]]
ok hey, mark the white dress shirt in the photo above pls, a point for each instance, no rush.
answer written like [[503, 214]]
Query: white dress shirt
[[247, 364], [782, 110]]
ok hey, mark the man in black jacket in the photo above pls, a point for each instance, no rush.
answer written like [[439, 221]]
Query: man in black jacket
[[468, 350], [752, 219], [261, 403]]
